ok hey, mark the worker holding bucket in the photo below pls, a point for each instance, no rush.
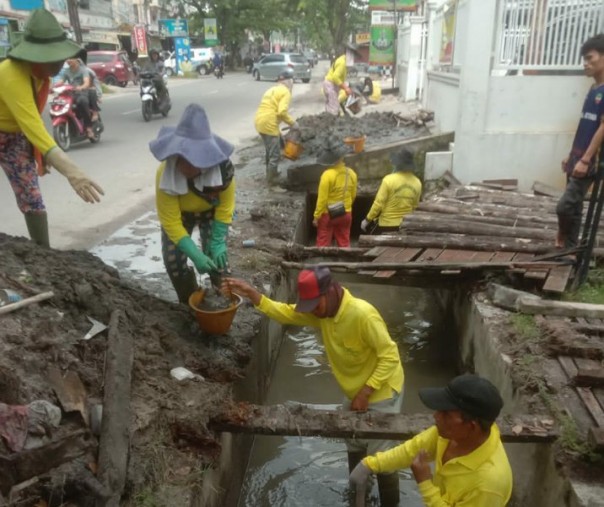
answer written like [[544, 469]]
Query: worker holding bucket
[[273, 110], [194, 188]]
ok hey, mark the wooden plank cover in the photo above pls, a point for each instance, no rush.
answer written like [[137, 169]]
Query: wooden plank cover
[[558, 279], [429, 254]]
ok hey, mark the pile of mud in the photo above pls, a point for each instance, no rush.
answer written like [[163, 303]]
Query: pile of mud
[[379, 128], [168, 425]]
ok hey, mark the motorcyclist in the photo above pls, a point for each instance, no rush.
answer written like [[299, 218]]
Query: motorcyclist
[[155, 65], [78, 75], [218, 62]]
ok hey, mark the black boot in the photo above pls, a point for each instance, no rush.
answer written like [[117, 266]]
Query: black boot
[[184, 286], [37, 226], [388, 488]]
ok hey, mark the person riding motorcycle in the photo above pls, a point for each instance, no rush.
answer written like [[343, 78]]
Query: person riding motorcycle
[[218, 62], [78, 75], [155, 65]]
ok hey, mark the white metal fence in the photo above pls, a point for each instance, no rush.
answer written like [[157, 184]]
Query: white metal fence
[[546, 34]]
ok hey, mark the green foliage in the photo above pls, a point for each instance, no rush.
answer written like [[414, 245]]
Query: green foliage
[[525, 326], [592, 291]]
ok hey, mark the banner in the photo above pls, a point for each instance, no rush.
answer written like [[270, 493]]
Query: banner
[[173, 27], [182, 49], [390, 5], [139, 40], [381, 49], [210, 31], [448, 34]]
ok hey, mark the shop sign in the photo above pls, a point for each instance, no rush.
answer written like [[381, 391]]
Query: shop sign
[[173, 27], [139, 38], [362, 38], [390, 5]]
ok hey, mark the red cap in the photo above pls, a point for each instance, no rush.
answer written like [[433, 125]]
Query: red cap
[[312, 284]]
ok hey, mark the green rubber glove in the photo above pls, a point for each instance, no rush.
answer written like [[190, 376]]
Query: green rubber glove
[[202, 262], [218, 244]]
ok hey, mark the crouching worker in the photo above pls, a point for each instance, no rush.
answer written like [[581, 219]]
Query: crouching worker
[[471, 466], [194, 186], [363, 357]]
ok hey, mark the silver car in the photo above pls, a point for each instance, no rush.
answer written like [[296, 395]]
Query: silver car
[[270, 66]]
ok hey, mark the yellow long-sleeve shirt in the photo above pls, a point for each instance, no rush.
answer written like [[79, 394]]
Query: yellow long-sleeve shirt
[[171, 207], [18, 108], [331, 188], [273, 109], [482, 478], [376, 95], [337, 72], [398, 195], [358, 345]]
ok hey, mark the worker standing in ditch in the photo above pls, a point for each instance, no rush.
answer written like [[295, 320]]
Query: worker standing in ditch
[[337, 191], [273, 110], [335, 80], [581, 164], [398, 195], [471, 465], [26, 148], [194, 187], [363, 357]]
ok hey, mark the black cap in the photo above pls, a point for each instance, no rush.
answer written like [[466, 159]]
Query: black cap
[[474, 395], [286, 74]]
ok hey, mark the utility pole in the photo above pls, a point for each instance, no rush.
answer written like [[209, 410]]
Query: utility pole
[[74, 19]]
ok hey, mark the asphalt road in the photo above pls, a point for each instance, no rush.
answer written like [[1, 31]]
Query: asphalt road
[[122, 164]]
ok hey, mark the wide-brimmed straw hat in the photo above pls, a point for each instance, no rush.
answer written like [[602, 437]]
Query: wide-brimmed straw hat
[[44, 40], [192, 139], [334, 150]]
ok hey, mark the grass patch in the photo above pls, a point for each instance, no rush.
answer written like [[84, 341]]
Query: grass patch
[[146, 498], [525, 326], [592, 291]]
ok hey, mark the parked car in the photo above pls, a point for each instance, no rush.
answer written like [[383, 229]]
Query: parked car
[[270, 66], [111, 67], [201, 60]]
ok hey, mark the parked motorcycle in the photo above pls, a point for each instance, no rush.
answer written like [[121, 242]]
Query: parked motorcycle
[[67, 126], [151, 103], [219, 71]]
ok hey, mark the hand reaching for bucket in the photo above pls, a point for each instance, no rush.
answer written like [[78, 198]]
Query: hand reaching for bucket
[[241, 287]]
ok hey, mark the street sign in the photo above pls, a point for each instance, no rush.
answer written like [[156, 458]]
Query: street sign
[[390, 5], [139, 38], [382, 18], [173, 27]]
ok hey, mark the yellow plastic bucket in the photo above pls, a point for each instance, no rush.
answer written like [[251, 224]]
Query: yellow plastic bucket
[[357, 143], [292, 150]]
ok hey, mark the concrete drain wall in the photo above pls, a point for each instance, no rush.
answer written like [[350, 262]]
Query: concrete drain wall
[[537, 482]]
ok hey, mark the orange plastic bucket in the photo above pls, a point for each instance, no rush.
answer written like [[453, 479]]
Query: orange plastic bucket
[[214, 322], [292, 150], [357, 143]]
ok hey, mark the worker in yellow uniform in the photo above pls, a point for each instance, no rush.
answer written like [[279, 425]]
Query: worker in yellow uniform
[[363, 357], [26, 148], [398, 195], [370, 90], [337, 191], [194, 186], [334, 81], [272, 111], [471, 468]]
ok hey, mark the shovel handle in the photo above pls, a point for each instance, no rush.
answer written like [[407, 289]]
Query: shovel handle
[[26, 302]]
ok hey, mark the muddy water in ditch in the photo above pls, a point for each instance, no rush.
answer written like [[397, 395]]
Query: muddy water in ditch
[[304, 472]]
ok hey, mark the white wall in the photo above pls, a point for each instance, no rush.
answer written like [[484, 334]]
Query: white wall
[[442, 96]]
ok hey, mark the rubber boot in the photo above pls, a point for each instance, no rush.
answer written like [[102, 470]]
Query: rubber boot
[[184, 286], [388, 488], [37, 226]]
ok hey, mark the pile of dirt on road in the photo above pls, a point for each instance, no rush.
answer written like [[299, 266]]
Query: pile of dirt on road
[[379, 128], [168, 424]]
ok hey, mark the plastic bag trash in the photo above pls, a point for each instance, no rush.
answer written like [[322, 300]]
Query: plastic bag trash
[[97, 327], [42, 417], [8, 296], [181, 373]]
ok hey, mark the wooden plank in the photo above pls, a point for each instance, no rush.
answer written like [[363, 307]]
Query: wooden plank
[[406, 254], [592, 405], [375, 251], [522, 256], [590, 377], [388, 253], [569, 366], [559, 308], [429, 254], [451, 254], [483, 256], [558, 279], [502, 256], [540, 188], [304, 421], [395, 255]]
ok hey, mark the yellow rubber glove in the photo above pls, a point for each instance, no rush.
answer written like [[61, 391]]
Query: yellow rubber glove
[[87, 189]]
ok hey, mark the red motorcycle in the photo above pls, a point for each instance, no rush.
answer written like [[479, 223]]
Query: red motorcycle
[[67, 126]]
